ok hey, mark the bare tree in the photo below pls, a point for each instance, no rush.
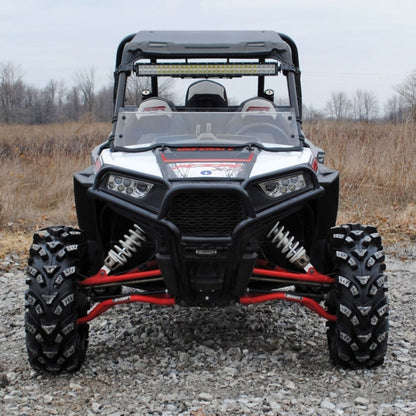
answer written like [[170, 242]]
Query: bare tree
[[407, 90], [136, 85], [310, 113], [73, 104], [12, 92], [86, 85], [48, 108], [395, 109], [364, 104], [60, 101], [104, 101], [338, 106], [29, 106], [22, 103]]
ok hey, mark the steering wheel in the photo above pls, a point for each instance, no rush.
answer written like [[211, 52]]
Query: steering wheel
[[263, 127]]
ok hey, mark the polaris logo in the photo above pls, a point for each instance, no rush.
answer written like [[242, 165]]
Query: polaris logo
[[208, 252]]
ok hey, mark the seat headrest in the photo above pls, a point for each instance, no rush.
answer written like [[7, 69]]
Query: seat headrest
[[257, 104], [156, 104], [206, 95]]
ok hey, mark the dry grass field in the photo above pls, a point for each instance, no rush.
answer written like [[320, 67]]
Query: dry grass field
[[378, 173], [376, 161], [36, 167]]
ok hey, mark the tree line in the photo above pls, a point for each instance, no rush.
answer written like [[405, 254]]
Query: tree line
[[362, 105], [25, 104]]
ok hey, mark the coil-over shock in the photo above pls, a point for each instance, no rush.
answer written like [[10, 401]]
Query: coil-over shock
[[119, 255], [291, 248]]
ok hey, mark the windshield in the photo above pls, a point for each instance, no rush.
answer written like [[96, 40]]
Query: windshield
[[274, 130]]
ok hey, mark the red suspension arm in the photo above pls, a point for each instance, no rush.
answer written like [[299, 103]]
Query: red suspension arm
[[109, 303], [308, 302], [312, 275], [102, 277]]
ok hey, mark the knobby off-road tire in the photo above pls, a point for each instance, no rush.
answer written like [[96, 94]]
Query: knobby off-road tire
[[54, 301], [358, 339]]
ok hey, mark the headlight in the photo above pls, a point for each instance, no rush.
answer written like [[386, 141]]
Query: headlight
[[127, 186], [278, 187]]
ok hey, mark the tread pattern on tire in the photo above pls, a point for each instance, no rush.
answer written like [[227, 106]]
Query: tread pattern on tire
[[358, 339], [53, 339]]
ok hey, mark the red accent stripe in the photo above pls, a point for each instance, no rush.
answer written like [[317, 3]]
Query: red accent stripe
[[258, 108], [156, 108], [184, 160], [204, 149]]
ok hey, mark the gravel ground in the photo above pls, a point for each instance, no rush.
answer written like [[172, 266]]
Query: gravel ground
[[268, 359]]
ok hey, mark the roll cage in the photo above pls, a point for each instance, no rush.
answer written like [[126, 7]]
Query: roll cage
[[255, 45]]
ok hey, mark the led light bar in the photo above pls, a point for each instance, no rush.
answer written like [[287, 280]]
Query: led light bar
[[278, 187], [206, 69], [130, 187]]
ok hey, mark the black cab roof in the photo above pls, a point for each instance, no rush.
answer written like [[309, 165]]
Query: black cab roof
[[209, 43]]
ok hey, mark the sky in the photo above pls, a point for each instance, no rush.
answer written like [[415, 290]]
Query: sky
[[344, 45]]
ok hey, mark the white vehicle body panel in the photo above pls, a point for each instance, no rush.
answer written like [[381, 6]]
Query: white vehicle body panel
[[268, 162], [139, 162], [146, 162]]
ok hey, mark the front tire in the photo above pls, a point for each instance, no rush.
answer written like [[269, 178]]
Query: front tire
[[54, 301], [358, 339]]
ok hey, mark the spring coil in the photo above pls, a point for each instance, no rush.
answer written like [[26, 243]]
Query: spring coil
[[292, 249], [119, 256]]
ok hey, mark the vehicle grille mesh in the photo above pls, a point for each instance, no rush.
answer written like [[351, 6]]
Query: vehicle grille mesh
[[206, 214]]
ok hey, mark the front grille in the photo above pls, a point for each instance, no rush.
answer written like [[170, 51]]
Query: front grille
[[206, 214]]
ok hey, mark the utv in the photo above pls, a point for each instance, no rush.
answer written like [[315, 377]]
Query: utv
[[215, 199]]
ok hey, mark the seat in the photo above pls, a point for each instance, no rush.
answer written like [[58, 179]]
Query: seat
[[256, 104], [258, 117], [206, 95], [153, 118], [156, 104]]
